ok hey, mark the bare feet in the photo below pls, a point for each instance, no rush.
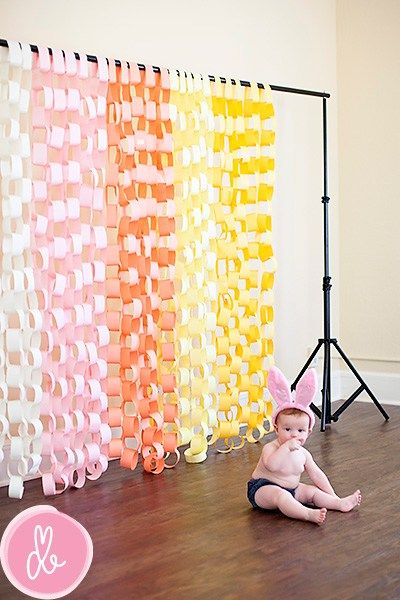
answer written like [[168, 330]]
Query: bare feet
[[347, 504], [317, 515]]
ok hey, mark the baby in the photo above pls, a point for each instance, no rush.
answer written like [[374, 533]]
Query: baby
[[275, 481]]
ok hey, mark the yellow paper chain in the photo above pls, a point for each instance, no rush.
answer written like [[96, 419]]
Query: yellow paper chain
[[243, 178], [193, 125]]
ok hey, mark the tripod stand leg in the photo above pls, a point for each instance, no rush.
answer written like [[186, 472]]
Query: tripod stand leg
[[364, 385], [307, 364], [325, 412], [314, 408]]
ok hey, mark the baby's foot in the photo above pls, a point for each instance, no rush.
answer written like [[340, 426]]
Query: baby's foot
[[347, 504], [317, 515]]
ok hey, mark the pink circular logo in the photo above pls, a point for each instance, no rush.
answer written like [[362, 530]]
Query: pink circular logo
[[45, 553]]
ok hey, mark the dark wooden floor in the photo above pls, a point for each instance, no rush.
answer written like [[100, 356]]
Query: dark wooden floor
[[190, 532]]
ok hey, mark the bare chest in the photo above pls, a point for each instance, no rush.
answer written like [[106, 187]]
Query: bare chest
[[295, 463]]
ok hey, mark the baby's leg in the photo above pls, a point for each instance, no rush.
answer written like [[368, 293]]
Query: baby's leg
[[272, 496], [310, 493]]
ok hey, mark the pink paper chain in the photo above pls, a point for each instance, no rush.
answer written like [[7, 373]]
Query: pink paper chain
[[68, 156]]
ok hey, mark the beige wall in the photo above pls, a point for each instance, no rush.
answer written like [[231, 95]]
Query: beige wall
[[369, 144], [288, 43]]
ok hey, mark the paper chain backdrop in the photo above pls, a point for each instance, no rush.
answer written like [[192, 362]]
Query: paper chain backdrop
[[136, 266]]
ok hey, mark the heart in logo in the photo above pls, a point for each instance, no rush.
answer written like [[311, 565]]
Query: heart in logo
[[45, 553]]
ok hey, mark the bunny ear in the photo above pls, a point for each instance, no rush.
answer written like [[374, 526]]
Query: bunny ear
[[307, 387], [278, 386]]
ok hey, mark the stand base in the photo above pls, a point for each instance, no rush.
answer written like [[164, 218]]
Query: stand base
[[325, 414]]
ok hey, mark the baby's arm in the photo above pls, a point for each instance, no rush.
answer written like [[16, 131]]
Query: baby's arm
[[273, 459], [317, 476]]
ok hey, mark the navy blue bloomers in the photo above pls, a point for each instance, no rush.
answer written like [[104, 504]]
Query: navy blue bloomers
[[254, 484]]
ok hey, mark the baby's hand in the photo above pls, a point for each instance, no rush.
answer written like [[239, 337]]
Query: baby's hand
[[293, 445]]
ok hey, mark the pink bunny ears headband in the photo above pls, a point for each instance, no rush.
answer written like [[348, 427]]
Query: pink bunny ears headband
[[301, 398]]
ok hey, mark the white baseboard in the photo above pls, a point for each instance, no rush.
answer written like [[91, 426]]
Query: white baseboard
[[384, 386]]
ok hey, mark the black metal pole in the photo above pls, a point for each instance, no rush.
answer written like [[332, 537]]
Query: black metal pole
[[326, 284], [325, 201], [276, 88]]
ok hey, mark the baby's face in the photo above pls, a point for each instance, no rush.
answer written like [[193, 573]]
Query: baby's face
[[292, 426]]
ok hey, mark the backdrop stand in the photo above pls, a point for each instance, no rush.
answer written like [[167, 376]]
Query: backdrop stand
[[325, 414]]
